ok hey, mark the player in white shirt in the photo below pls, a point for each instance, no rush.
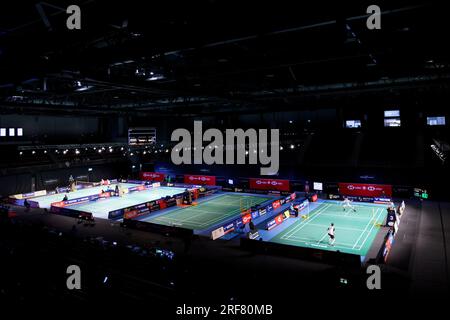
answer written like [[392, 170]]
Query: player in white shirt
[[331, 234], [348, 205]]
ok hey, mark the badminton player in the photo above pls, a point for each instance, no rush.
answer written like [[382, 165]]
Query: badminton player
[[331, 234], [347, 204]]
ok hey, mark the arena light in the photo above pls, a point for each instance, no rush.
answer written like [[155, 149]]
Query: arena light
[[281, 147], [292, 146], [83, 88], [155, 77]]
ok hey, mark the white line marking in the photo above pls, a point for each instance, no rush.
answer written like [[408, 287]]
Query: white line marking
[[373, 225], [303, 223], [362, 233]]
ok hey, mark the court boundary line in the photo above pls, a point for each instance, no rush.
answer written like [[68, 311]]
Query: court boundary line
[[290, 235], [365, 229], [340, 228], [310, 242], [373, 225], [303, 223], [362, 233], [221, 216]]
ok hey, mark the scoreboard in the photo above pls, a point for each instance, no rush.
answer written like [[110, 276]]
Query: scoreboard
[[420, 193], [144, 136]]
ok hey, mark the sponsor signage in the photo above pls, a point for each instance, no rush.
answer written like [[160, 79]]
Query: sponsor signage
[[253, 235], [152, 176], [228, 228], [387, 246], [276, 204], [271, 224], [391, 218], [247, 218], [365, 190], [277, 220], [302, 205], [218, 233], [200, 180], [269, 184]]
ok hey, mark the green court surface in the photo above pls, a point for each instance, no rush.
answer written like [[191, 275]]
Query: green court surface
[[208, 213], [355, 231]]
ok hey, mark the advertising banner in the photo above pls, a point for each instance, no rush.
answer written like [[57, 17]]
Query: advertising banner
[[247, 218], [276, 204], [200, 180], [277, 220], [365, 189], [152, 176], [269, 184]]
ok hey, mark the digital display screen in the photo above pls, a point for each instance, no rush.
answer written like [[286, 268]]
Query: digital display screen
[[353, 124], [420, 193], [392, 113], [436, 121], [392, 122], [318, 186], [141, 136]]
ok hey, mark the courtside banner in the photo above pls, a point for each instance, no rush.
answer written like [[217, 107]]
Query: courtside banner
[[152, 176], [277, 220], [201, 180], [276, 204], [365, 190], [29, 195], [269, 184], [247, 218]]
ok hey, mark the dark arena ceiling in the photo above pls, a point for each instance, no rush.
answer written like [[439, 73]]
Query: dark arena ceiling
[[192, 57]]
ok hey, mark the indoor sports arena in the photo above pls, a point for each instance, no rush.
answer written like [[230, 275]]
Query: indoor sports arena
[[224, 159]]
